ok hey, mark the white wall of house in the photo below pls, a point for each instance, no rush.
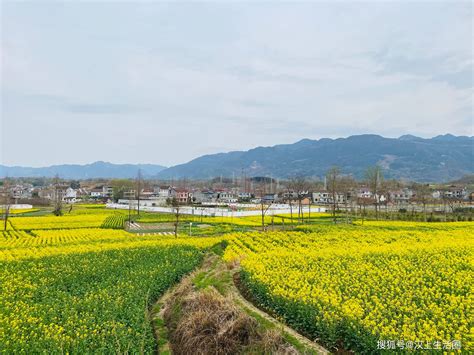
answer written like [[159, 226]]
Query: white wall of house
[[210, 211]]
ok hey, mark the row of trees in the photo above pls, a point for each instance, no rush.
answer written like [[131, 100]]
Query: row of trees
[[337, 184], [341, 191]]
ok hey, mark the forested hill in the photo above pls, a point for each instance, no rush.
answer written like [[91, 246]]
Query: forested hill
[[441, 158]]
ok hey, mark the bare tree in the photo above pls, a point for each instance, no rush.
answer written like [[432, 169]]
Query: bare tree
[[346, 187], [363, 202], [264, 209], [176, 207], [6, 202], [58, 189], [388, 186], [422, 195], [450, 201], [260, 192], [300, 186], [374, 177], [333, 185], [139, 189], [289, 192]]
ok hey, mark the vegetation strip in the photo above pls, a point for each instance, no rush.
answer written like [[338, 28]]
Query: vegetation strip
[[214, 275]]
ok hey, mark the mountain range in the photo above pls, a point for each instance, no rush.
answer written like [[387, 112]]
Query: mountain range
[[441, 158], [95, 170]]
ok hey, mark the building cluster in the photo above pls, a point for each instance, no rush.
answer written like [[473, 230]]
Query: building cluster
[[161, 195], [398, 196]]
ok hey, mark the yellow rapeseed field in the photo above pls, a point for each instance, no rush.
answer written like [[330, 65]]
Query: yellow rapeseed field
[[80, 284], [70, 285], [360, 285]]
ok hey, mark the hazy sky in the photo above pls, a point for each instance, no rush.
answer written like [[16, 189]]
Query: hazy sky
[[166, 82]]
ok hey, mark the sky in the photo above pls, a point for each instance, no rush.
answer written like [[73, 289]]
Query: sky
[[166, 82]]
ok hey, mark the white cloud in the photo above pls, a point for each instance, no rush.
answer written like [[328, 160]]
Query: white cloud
[[175, 81]]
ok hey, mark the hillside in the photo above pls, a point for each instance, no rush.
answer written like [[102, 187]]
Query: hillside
[[441, 158]]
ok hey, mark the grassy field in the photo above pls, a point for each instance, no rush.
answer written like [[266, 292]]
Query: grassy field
[[80, 283]]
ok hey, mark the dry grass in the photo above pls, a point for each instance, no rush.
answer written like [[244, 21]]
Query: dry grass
[[205, 322]]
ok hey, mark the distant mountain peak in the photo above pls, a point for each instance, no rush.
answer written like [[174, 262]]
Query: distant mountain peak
[[409, 137], [445, 137]]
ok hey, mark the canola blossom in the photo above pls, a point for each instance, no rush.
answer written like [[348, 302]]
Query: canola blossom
[[358, 285], [16, 245], [87, 303], [21, 211], [246, 221], [58, 222], [79, 283], [69, 285], [115, 221]]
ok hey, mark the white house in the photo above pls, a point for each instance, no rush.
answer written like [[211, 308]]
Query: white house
[[402, 195], [364, 193], [326, 197], [97, 193], [226, 196], [70, 195], [165, 191]]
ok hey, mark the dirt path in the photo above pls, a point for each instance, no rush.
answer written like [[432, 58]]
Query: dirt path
[[216, 274], [250, 308]]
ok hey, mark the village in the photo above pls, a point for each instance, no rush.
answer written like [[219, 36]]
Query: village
[[246, 194]]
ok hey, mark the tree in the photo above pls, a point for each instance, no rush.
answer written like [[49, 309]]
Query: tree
[[260, 192], [75, 184], [363, 202], [374, 178], [58, 189], [289, 193], [346, 187], [119, 186], [6, 202], [139, 189], [300, 186], [333, 185], [422, 195], [264, 207], [451, 201], [173, 202]]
